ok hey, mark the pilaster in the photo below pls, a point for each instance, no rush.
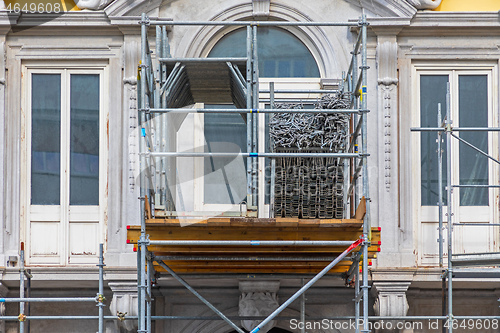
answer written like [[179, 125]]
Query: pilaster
[[119, 253], [391, 301], [387, 97]]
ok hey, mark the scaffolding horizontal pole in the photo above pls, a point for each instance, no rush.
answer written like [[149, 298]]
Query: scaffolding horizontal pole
[[268, 155], [441, 129], [42, 300], [479, 224], [476, 259], [246, 243], [477, 185], [201, 110], [257, 23], [307, 91], [218, 59], [16, 318], [371, 318], [243, 258], [201, 213]]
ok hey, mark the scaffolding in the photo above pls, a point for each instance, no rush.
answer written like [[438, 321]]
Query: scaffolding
[[167, 85], [444, 129], [24, 318]]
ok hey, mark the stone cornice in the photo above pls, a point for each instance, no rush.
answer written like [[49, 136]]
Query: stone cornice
[[455, 19], [76, 18]]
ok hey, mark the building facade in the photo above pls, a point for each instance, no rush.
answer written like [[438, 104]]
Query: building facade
[[70, 168]]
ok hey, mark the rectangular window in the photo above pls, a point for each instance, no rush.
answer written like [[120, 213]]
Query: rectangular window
[[67, 174], [471, 104], [472, 94]]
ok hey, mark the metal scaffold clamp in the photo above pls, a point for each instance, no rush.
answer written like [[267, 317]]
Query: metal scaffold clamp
[[22, 317], [145, 20], [100, 298], [121, 315]]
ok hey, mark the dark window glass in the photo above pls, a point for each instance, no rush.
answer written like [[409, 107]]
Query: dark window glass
[[45, 139], [473, 112], [280, 53], [432, 91], [84, 139], [225, 177]]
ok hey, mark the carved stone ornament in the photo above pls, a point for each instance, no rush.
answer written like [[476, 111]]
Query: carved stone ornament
[[92, 4], [425, 4], [258, 299], [123, 304], [261, 7]]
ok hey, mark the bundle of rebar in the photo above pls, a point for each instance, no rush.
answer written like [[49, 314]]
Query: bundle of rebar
[[307, 130], [310, 187]]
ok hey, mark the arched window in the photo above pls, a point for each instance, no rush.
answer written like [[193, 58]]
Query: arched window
[[280, 53]]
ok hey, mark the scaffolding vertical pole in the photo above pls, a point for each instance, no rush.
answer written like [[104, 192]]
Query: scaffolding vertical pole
[[440, 188], [366, 193], [356, 296], [148, 313], [249, 119], [273, 160], [255, 81], [449, 213], [21, 289], [139, 313], [143, 187], [100, 296], [28, 295], [355, 195], [303, 310], [156, 124]]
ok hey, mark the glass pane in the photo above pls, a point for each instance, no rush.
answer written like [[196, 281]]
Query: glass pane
[[84, 140], [473, 112], [45, 139], [432, 91], [280, 53], [225, 177]]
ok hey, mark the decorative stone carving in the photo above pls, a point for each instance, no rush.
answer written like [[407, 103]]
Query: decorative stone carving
[[387, 56], [391, 300], [92, 4], [261, 7], [130, 85], [124, 304], [258, 299], [425, 4]]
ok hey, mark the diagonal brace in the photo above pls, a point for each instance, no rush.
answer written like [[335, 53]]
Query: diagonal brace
[[188, 287], [306, 286], [474, 147]]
